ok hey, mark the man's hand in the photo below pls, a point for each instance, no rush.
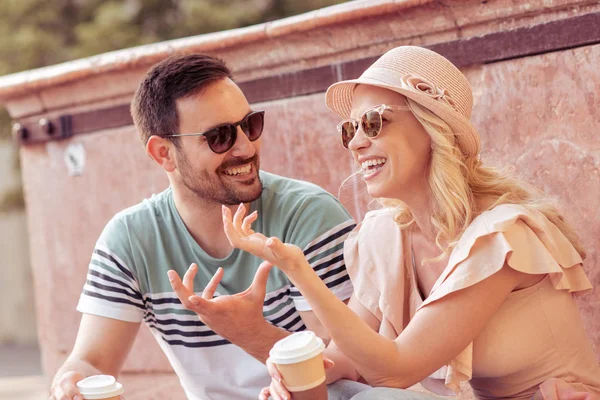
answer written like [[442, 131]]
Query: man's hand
[[65, 387], [234, 317], [101, 348]]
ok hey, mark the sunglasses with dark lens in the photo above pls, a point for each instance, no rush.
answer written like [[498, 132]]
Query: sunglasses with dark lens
[[222, 138], [371, 123]]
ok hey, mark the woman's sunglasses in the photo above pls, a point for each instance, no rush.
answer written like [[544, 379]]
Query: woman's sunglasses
[[222, 138], [371, 123]]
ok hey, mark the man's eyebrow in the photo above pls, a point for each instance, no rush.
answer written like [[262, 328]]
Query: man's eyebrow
[[226, 123]]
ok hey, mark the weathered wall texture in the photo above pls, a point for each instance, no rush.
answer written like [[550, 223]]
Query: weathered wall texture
[[537, 113], [17, 315]]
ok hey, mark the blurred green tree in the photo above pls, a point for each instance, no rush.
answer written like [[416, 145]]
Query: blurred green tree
[[37, 33]]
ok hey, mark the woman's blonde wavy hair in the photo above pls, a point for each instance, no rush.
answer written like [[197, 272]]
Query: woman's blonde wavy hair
[[456, 182]]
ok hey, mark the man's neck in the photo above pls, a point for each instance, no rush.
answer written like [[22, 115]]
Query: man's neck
[[204, 221]]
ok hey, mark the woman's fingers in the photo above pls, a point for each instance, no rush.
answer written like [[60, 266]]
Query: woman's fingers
[[328, 363], [276, 381], [271, 367], [278, 391], [230, 231], [238, 218], [247, 224], [241, 236], [240, 222], [263, 395]]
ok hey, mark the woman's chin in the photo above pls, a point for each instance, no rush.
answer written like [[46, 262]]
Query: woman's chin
[[375, 190]]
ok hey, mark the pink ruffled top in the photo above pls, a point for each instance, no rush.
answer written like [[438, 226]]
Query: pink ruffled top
[[536, 335]]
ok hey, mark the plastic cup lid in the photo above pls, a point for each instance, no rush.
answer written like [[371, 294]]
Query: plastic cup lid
[[99, 387], [297, 347]]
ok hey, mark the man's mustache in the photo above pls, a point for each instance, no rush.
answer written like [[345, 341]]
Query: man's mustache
[[238, 161]]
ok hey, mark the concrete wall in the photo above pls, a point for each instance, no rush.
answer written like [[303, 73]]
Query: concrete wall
[[17, 314], [538, 113]]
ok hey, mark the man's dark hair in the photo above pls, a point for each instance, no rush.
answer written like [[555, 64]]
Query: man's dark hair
[[154, 109]]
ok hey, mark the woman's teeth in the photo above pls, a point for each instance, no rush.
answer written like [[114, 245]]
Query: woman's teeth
[[239, 170], [371, 166]]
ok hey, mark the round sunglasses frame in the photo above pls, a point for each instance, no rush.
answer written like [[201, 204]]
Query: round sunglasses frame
[[232, 130], [380, 109]]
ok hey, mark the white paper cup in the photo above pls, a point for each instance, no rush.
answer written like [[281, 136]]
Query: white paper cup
[[100, 387], [299, 358]]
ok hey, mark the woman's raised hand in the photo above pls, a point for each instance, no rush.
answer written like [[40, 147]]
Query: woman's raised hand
[[287, 257]]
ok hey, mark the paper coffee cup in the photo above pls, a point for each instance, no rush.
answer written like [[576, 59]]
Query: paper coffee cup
[[100, 387], [299, 358]]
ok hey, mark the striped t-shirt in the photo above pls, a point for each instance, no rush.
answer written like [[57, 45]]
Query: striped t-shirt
[[127, 279]]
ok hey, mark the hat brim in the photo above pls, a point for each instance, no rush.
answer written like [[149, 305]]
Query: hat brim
[[339, 100]]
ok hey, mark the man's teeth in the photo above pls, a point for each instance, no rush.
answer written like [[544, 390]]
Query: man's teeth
[[239, 170], [373, 165]]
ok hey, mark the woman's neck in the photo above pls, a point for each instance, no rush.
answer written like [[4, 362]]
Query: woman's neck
[[420, 204]]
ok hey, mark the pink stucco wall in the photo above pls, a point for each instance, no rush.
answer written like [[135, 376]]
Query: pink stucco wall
[[539, 114]]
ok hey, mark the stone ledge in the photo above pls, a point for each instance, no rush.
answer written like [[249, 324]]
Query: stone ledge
[[264, 49]]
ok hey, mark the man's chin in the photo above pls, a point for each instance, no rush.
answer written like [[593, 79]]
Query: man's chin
[[250, 196], [245, 194]]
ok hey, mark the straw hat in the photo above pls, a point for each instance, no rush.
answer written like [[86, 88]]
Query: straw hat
[[426, 78]]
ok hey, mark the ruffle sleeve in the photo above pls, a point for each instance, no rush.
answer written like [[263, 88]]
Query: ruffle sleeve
[[374, 258], [521, 238], [525, 239]]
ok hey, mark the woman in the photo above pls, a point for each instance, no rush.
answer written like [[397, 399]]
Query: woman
[[465, 275]]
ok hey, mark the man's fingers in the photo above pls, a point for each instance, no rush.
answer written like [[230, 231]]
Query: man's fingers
[[261, 277], [72, 391], [69, 390], [209, 290], [198, 304], [66, 387], [182, 293], [247, 224], [188, 278]]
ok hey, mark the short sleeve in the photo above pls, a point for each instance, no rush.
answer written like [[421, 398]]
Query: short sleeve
[[374, 254], [319, 227], [111, 289]]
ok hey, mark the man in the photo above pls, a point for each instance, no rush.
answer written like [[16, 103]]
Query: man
[[197, 125]]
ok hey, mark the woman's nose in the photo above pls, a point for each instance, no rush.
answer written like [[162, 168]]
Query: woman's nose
[[359, 140]]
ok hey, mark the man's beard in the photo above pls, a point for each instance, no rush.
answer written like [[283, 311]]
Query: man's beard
[[213, 187]]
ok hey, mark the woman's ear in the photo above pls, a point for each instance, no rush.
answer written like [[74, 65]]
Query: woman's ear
[[162, 151]]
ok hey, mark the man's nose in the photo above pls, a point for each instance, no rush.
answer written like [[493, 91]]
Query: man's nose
[[243, 147]]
